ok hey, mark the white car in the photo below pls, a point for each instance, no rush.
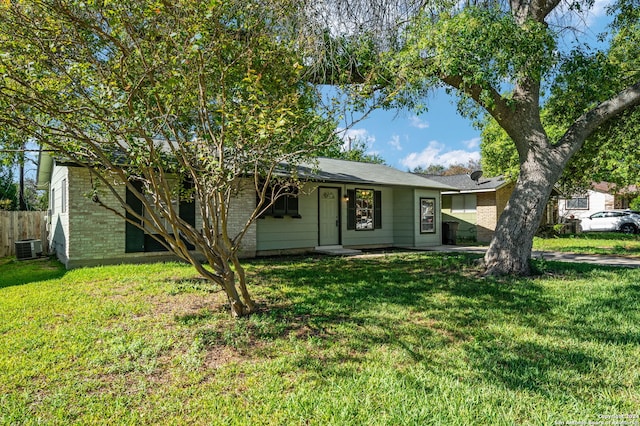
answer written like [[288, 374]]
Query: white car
[[612, 221]]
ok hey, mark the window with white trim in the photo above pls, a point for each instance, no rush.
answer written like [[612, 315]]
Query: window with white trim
[[577, 203], [364, 209], [427, 215]]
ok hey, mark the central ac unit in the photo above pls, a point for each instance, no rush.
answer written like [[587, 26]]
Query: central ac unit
[[28, 249]]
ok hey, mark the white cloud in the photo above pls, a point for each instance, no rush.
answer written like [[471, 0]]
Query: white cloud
[[395, 142], [581, 20], [598, 10], [417, 122], [355, 135], [472, 143], [435, 153]]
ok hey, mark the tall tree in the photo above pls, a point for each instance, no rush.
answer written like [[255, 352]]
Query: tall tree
[[497, 57], [172, 101], [453, 169], [432, 169], [13, 153], [8, 189], [610, 153]]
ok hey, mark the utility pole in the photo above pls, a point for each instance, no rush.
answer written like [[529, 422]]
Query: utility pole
[[22, 205]]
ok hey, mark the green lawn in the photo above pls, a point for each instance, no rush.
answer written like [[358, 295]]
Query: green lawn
[[607, 243], [403, 339]]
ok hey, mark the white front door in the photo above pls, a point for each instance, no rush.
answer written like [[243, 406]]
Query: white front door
[[329, 217]]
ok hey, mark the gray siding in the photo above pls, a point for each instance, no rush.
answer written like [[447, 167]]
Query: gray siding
[[427, 240], [400, 212], [275, 234], [405, 217]]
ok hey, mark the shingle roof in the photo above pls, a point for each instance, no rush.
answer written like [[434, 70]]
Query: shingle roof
[[464, 182], [327, 170], [343, 171], [610, 188]]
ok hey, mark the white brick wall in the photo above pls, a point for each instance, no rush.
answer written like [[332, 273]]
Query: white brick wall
[[240, 210], [89, 234], [94, 232]]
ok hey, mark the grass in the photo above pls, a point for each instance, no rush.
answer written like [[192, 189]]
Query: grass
[[605, 243], [397, 339], [15, 273]]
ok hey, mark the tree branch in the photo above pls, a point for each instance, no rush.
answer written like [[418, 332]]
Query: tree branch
[[589, 122], [498, 107], [537, 10]]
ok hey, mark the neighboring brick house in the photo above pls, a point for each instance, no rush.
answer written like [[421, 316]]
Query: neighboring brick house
[[344, 204], [475, 204]]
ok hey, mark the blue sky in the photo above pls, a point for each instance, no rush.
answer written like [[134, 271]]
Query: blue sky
[[440, 135]]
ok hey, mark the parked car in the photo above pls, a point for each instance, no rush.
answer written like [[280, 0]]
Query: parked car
[[613, 221]]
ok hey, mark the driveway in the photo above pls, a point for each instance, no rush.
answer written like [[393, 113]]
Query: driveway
[[628, 262]]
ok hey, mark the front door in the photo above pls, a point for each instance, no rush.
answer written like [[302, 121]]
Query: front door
[[329, 217]]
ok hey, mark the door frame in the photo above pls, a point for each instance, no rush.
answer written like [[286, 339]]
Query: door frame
[[339, 201]]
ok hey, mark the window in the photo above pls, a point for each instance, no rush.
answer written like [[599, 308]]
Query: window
[[427, 215], [164, 222], [364, 209], [578, 203], [463, 203], [136, 239], [284, 205], [63, 208]]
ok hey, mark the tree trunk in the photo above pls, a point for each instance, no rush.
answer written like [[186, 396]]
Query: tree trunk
[[239, 306], [242, 283], [510, 248]]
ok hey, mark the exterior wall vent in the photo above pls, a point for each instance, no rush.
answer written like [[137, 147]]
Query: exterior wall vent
[[28, 249]]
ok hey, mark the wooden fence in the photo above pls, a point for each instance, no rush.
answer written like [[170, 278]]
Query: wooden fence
[[18, 226]]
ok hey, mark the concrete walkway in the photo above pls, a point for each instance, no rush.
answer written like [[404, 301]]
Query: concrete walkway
[[628, 262]]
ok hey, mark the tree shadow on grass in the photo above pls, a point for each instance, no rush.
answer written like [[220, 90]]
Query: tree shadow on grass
[[330, 288], [609, 317], [14, 272], [428, 305], [532, 366], [418, 304]]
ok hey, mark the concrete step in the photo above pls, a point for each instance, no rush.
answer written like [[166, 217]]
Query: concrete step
[[337, 251]]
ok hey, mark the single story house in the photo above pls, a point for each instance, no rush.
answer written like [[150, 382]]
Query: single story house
[[475, 205], [601, 196], [343, 204]]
